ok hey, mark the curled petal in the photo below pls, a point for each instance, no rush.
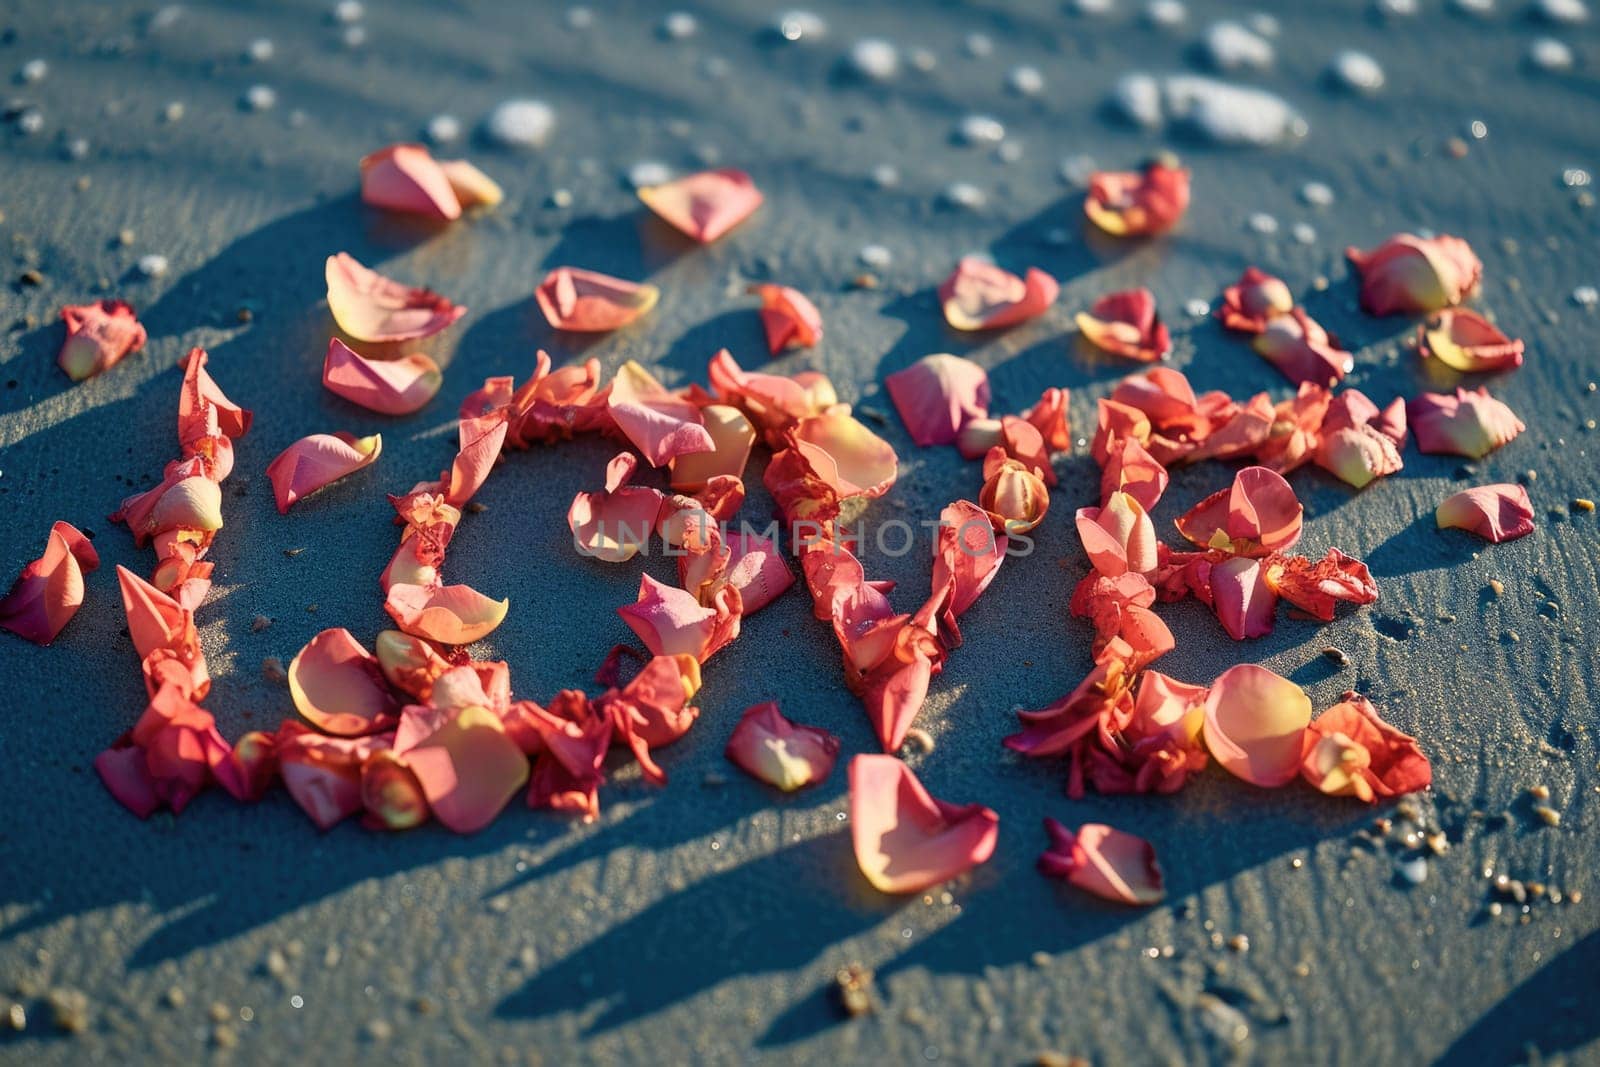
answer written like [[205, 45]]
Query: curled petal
[[1131, 469], [773, 402], [981, 296], [1357, 455], [337, 686], [162, 630], [967, 554], [905, 840], [1410, 275], [1471, 423], [472, 186], [850, 458], [704, 206], [448, 614], [370, 307], [407, 179], [1466, 341], [1302, 350], [388, 386], [670, 621], [1135, 204], [938, 395], [205, 414], [99, 335], [1106, 862], [390, 793], [1126, 324], [1316, 586], [790, 320], [480, 440], [732, 436], [786, 755], [1118, 537], [1158, 748], [1351, 751], [1253, 300], [1014, 496], [661, 425], [586, 301], [1494, 512], [49, 591], [323, 774], [1242, 597], [615, 524], [1049, 417], [654, 707], [757, 569], [469, 768], [1161, 393], [1255, 516], [317, 461], [409, 664], [1256, 723]]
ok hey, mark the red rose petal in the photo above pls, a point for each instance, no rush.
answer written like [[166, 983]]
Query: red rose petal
[[1409, 275], [1131, 469], [99, 335], [319, 460], [1106, 862], [370, 307], [1242, 598], [757, 569], [704, 206], [850, 458], [1494, 512], [732, 436], [1316, 586], [162, 629], [788, 317], [1351, 751], [49, 591], [1137, 204], [981, 296], [323, 774], [1126, 324], [405, 178], [614, 524], [1257, 515], [670, 621], [337, 686], [390, 794], [1118, 537], [1253, 300], [1302, 350], [938, 395], [389, 387], [785, 755], [905, 840], [586, 301]]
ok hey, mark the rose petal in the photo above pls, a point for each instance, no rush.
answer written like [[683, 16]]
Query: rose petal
[[448, 614], [390, 387], [370, 307], [978, 295], [390, 794], [661, 425], [586, 301], [1242, 598], [783, 754], [905, 840], [1134, 204], [317, 461], [1472, 423], [1131, 469], [1118, 537], [1106, 862], [670, 621], [1256, 723], [468, 769], [1408, 274], [1126, 324], [1257, 515], [847, 456], [409, 664], [1158, 748], [615, 524], [337, 686], [1316, 586], [1302, 350], [704, 206], [1253, 300], [323, 774], [1466, 341], [127, 778], [205, 415], [938, 395], [99, 335], [1494, 512], [789, 319], [967, 554], [773, 402], [757, 569], [49, 591], [1358, 455], [472, 186], [407, 179], [161, 629], [1014, 496], [732, 436], [1049, 417], [1351, 751]]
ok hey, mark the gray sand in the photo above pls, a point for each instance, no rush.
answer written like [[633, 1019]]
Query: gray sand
[[705, 922]]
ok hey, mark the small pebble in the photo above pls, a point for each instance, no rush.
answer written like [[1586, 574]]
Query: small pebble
[[1025, 81], [1548, 815], [1582, 504], [348, 11], [1497, 587], [1230, 46], [1197, 308], [1549, 54], [801, 26], [521, 123], [444, 129], [34, 70], [1586, 296], [1357, 72], [1304, 232], [1565, 11], [1337, 655], [173, 112], [69, 1010], [1165, 13], [978, 45], [963, 195], [1414, 870], [980, 130], [30, 121], [153, 265], [876, 256], [679, 26], [259, 623], [648, 172], [885, 176], [17, 1017], [920, 738], [259, 50], [1316, 194], [272, 670], [259, 98], [715, 779], [1262, 223], [853, 987], [874, 59]]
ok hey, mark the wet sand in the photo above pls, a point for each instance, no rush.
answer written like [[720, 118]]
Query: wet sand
[[705, 921]]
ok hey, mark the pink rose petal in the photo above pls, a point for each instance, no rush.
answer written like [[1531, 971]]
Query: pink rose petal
[[1466, 341], [850, 458], [1408, 274], [732, 436], [614, 524], [1104, 861], [469, 769], [406, 178], [1138, 203], [1118, 537], [472, 186], [448, 614], [905, 840], [938, 395], [704, 206], [757, 569], [391, 796], [1256, 723], [49, 591], [1302, 350], [161, 629], [788, 317], [1472, 423], [659, 423], [317, 461], [370, 307], [1494, 512], [337, 686], [981, 296], [1126, 324], [967, 554], [99, 335], [786, 755], [1351, 751], [1242, 598], [323, 774], [1257, 515], [388, 386], [586, 301], [1253, 300], [670, 621]]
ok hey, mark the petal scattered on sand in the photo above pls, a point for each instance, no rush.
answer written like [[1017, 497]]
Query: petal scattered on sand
[[1104, 861], [704, 206], [1302, 350], [789, 318], [391, 796], [1316, 586], [337, 686], [388, 386], [370, 307], [448, 614], [409, 664], [1118, 537], [732, 437], [1496, 513], [162, 630], [1351, 751], [1049, 417], [1126, 324], [967, 554], [769, 747], [323, 774], [1471, 423], [1411, 275], [406, 178], [1242, 598], [99, 335], [1254, 300], [671, 622], [49, 591], [1256, 723], [1131, 469], [938, 395], [905, 840], [1466, 341], [661, 424], [586, 301], [472, 186], [981, 296], [846, 455], [1257, 515], [317, 461], [1138, 204], [469, 769], [757, 569], [614, 524], [1015, 497]]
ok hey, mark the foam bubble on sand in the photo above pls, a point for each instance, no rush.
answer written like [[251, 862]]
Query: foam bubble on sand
[[1229, 46], [521, 123], [874, 59], [1568, 11], [1219, 111], [1549, 54], [1356, 71]]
